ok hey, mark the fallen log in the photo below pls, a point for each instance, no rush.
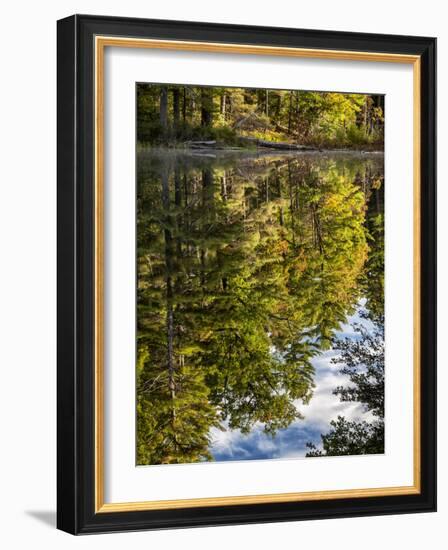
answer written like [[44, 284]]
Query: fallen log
[[282, 145], [200, 144]]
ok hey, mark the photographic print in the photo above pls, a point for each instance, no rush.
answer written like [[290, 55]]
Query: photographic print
[[260, 274], [222, 296]]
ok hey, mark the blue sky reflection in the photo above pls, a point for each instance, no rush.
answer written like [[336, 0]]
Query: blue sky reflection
[[323, 407]]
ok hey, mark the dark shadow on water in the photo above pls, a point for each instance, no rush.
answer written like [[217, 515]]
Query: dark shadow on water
[[47, 517]]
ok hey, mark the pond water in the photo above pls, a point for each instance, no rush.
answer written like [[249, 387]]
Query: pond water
[[259, 305]]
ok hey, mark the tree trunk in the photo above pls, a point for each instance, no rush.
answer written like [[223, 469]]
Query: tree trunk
[[164, 108], [206, 107], [169, 289], [207, 190], [208, 207], [279, 106], [290, 112], [224, 187], [223, 104], [184, 105], [176, 107], [365, 115]]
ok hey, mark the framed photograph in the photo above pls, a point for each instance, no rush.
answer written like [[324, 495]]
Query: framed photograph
[[246, 274]]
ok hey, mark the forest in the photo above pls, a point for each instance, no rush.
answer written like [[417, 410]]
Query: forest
[[195, 117], [248, 263]]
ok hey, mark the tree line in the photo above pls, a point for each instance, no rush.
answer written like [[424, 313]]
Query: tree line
[[170, 115]]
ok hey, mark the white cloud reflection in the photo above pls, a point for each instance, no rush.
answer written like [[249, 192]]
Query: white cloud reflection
[[291, 442]]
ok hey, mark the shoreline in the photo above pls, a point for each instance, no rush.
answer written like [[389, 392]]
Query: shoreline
[[259, 151]]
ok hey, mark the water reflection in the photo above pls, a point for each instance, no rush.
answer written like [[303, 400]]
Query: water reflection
[[248, 266]]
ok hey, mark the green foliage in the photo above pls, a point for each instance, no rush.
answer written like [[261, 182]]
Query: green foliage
[[351, 438], [245, 270], [320, 119], [173, 427], [362, 360], [373, 280]]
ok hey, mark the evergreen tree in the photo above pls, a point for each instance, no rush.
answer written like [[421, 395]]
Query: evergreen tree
[[243, 276]]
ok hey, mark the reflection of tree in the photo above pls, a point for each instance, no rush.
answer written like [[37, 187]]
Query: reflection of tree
[[374, 273], [351, 438], [329, 247], [174, 412], [363, 363], [243, 275], [362, 360]]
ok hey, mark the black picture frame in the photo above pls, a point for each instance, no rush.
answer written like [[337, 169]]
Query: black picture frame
[[76, 271]]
